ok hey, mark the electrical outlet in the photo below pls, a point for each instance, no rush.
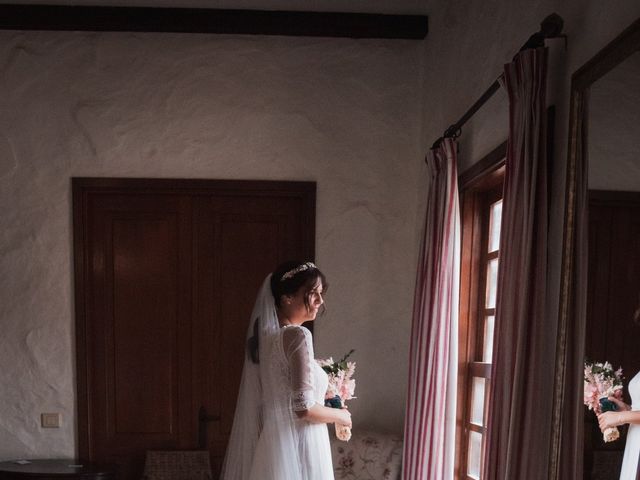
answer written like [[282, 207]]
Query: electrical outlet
[[50, 420]]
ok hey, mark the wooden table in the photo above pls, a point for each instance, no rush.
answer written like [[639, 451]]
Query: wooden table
[[52, 469]]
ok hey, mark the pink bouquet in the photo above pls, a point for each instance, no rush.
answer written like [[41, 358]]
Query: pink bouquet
[[341, 387], [602, 381]]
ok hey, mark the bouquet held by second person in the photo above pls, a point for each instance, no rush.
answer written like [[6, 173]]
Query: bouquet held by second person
[[600, 382]]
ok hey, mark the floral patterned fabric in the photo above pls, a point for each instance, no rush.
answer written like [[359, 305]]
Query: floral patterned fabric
[[367, 456]]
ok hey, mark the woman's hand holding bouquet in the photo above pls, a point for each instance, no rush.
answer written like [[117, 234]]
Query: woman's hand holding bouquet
[[602, 394], [341, 388], [613, 418]]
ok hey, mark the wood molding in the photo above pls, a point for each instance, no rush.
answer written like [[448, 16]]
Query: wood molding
[[613, 197], [209, 20], [488, 169], [608, 58]]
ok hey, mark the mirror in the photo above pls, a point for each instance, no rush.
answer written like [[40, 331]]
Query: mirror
[[602, 239], [613, 283]]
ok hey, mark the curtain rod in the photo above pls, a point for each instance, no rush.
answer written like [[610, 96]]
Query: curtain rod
[[550, 27]]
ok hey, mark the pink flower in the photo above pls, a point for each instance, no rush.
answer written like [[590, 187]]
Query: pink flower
[[340, 381], [590, 395], [600, 380]]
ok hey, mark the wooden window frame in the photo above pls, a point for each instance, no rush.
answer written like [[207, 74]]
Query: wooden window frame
[[480, 187]]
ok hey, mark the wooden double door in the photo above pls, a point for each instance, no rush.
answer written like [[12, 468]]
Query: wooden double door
[[166, 275]]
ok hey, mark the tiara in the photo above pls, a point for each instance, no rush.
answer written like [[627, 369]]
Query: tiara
[[301, 268]]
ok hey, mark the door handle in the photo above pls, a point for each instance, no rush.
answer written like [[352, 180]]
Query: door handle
[[203, 420]]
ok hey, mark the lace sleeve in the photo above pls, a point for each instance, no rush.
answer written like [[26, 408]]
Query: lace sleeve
[[296, 348]]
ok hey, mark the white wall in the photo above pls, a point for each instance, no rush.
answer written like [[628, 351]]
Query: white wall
[[344, 113], [614, 128]]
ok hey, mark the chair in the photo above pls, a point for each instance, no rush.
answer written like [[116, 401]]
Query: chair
[[177, 465], [367, 456]]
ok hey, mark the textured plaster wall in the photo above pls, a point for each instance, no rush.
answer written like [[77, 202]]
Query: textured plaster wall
[[344, 113]]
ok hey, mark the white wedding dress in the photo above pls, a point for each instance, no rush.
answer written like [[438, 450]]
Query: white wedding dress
[[299, 384], [268, 440], [632, 447]]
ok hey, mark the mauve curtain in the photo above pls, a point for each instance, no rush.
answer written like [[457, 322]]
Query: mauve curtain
[[429, 436], [520, 409]]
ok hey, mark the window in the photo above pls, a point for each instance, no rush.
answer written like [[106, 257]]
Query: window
[[481, 221]]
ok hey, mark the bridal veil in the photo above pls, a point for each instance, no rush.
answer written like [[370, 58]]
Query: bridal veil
[[263, 410]]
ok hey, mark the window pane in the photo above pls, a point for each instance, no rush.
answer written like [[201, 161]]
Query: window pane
[[475, 453], [494, 226], [487, 348], [477, 400], [492, 283]]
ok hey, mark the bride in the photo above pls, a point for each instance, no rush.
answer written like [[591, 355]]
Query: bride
[[280, 424], [627, 414]]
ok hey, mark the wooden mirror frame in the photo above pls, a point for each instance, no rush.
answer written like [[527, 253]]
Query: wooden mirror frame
[[567, 440]]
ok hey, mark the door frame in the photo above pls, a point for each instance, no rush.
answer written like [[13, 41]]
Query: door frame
[[83, 188]]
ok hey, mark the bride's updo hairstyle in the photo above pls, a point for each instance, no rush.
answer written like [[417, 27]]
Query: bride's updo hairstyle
[[290, 276], [287, 279]]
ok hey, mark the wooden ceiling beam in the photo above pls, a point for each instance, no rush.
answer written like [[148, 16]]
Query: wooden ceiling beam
[[205, 20]]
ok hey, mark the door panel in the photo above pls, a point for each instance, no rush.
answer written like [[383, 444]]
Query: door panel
[[613, 295], [138, 324], [614, 276], [252, 235], [166, 276]]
